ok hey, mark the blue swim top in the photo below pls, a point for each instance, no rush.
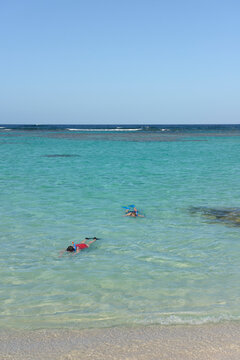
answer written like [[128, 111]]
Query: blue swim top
[[74, 246]]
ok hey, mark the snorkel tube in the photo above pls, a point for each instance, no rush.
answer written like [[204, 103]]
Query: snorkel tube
[[128, 207]]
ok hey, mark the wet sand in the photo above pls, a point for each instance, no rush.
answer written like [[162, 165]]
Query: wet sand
[[182, 342]]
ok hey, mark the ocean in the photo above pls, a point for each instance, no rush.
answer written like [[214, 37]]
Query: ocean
[[179, 264]]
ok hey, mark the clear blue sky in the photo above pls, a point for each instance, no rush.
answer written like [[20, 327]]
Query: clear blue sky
[[120, 61]]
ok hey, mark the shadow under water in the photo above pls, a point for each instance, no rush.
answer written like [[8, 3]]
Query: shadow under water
[[60, 155], [230, 216]]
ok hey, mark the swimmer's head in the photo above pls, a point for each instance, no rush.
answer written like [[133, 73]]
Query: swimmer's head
[[70, 248]]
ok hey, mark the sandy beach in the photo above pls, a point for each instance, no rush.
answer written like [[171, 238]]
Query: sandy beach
[[183, 342]]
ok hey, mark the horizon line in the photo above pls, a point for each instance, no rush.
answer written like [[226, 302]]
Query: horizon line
[[119, 124]]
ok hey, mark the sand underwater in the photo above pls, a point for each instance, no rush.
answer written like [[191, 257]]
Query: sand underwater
[[165, 286]]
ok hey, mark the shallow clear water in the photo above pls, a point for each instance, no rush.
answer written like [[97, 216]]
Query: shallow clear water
[[172, 266]]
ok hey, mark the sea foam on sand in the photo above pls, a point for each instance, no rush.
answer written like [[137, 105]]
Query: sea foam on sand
[[182, 342]]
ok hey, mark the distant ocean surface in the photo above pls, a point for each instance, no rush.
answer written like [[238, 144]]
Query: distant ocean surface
[[177, 265]]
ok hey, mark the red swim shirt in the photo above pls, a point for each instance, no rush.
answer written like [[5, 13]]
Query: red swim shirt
[[81, 246]]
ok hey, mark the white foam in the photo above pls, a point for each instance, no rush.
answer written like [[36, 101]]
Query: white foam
[[101, 130], [186, 319]]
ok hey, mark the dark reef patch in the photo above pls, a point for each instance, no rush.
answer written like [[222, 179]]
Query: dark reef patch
[[60, 155], [228, 216]]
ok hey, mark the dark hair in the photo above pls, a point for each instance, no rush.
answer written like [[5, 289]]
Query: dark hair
[[70, 248]]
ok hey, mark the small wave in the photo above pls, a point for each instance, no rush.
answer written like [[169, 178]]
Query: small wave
[[187, 319], [101, 130]]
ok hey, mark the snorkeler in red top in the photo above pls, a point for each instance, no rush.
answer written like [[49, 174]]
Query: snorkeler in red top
[[78, 247]]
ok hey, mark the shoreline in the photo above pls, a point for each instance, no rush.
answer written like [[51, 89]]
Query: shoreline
[[173, 342]]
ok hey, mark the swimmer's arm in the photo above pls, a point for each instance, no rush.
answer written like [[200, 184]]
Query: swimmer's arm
[[61, 253]]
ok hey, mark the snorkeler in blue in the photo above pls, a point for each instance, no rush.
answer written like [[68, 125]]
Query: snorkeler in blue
[[133, 213]]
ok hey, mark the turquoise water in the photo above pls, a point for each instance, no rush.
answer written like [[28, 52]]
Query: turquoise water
[[172, 266]]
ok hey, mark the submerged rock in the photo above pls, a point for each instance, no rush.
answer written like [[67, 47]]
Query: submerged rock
[[230, 216], [60, 155]]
